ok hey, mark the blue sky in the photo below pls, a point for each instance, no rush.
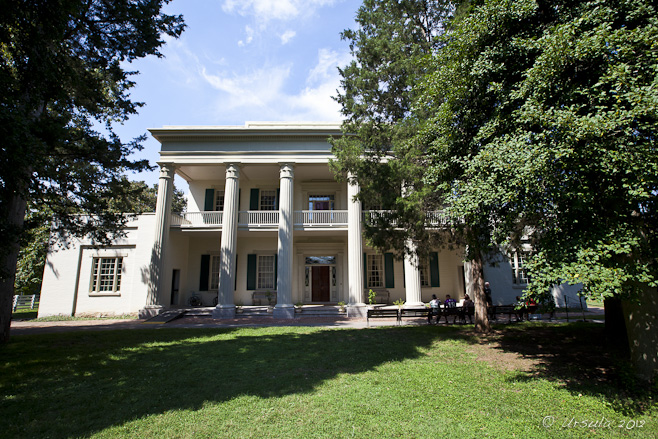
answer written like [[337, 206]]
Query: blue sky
[[242, 60]]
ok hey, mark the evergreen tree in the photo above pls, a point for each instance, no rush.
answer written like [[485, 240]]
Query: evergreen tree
[[62, 74]]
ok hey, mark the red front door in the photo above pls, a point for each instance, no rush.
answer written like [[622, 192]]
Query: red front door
[[320, 291]]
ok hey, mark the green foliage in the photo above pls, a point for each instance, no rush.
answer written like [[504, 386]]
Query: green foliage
[[388, 46], [372, 297], [62, 76], [543, 125]]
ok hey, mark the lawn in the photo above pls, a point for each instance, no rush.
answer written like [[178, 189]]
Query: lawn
[[525, 381]]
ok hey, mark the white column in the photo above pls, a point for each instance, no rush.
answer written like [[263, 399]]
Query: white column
[[225, 306], [155, 300], [284, 307], [412, 276], [356, 304]]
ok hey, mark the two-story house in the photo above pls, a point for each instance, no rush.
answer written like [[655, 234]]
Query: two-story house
[[265, 218]]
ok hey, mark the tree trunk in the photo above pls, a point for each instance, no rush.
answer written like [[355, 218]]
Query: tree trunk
[[481, 317], [642, 327], [15, 217], [615, 326]]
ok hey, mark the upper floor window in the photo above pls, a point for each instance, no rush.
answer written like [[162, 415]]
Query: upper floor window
[[321, 202], [219, 201], [519, 272], [268, 200], [106, 274]]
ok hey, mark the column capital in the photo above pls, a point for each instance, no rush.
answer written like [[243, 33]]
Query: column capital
[[287, 170], [167, 170], [232, 170]]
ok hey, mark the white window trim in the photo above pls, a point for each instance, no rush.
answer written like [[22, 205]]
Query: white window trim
[[216, 200], [519, 275], [213, 281], [369, 272], [259, 270], [117, 276], [425, 273], [260, 199]]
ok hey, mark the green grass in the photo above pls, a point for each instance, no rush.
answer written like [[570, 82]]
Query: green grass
[[283, 382], [24, 314]]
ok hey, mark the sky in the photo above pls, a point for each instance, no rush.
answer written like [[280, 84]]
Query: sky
[[242, 60]]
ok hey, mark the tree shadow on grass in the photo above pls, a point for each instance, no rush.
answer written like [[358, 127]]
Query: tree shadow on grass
[[77, 384], [576, 355]]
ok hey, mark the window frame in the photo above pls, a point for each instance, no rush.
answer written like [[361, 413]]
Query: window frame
[[267, 193], [375, 276], [519, 272], [98, 278], [218, 204], [261, 282], [213, 272]]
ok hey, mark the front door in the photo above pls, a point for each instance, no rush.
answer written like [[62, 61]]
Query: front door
[[320, 291]]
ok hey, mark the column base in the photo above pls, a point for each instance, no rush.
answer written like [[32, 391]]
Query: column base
[[284, 312], [150, 311], [223, 312], [414, 305], [356, 311]]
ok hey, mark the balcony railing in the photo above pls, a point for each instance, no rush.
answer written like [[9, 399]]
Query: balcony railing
[[304, 219], [321, 218], [258, 218]]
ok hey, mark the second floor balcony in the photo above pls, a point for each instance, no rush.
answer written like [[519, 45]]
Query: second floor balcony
[[302, 219]]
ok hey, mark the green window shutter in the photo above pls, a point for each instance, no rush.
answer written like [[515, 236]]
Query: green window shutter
[[209, 204], [251, 272], [204, 273], [235, 285], [365, 271], [254, 199], [434, 270], [276, 270], [278, 192], [239, 198], [388, 270]]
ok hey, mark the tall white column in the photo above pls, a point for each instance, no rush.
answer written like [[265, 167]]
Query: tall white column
[[412, 276], [284, 307], [155, 298], [356, 305], [225, 306], [411, 268]]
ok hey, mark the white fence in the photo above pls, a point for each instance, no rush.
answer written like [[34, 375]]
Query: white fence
[[321, 218], [26, 302]]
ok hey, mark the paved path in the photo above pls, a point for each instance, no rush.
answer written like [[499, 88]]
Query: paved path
[[21, 327]]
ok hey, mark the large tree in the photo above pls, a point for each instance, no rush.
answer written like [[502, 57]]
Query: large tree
[[64, 85], [381, 149], [544, 117]]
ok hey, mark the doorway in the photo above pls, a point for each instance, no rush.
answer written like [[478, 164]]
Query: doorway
[[320, 290]]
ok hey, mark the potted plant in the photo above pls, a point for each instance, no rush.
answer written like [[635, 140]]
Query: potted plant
[[399, 303], [270, 304], [298, 307], [238, 308], [372, 298], [341, 306]]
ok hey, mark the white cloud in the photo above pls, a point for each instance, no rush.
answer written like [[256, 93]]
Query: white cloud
[[287, 36], [267, 10], [250, 36]]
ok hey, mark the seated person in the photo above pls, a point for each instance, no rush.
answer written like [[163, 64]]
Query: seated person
[[450, 306], [469, 307], [521, 309], [450, 302], [435, 303]]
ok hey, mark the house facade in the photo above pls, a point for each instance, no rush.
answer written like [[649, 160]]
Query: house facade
[[265, 219]]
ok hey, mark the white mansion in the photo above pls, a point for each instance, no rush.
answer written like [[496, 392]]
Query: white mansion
[[265, 217]]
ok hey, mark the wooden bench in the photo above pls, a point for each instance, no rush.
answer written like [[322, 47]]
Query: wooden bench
[[510, 310], [263, 298], [382, 313], [414, 312]]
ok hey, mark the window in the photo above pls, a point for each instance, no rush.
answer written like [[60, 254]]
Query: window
[[268, 200], [266, 272], [321, 202], [375, 271], [214, 272], [519, 273], [106, 274], [424, 267], [219, 201]]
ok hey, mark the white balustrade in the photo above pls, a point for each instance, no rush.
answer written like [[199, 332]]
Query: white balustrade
[[259, 218], [321, 218], [197, 219]]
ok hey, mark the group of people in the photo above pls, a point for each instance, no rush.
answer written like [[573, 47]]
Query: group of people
[[435, 305]]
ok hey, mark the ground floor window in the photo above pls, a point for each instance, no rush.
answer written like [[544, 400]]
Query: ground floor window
[[375, 271], [266, 272], [106, 274], [214, 272], [424, 267]]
